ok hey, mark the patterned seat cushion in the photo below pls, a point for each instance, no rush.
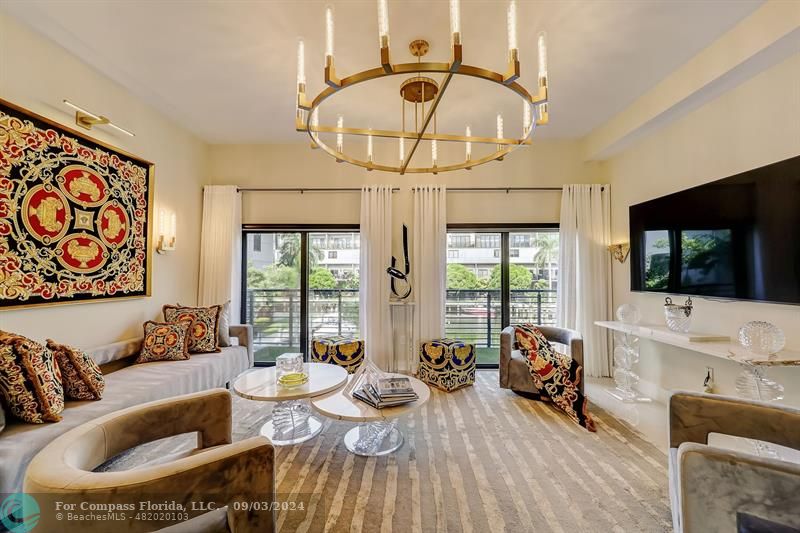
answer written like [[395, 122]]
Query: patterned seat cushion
[[165, 341], [29, 380], [555, 374], [447, 364], [204, 331], [80, 375], [342, 351]]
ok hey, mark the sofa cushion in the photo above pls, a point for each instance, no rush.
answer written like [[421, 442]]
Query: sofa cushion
[[80, 375], [225, 325], [127, 387], [204, 330], [165, 342], [29, 380]]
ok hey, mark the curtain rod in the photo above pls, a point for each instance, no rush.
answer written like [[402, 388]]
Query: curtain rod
[[302, 190]]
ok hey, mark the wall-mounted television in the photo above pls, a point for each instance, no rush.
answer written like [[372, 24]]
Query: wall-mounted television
[[737, 238]]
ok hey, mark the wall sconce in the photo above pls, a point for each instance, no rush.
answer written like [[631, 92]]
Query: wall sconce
[[166, 231], [87, 119], [620, 251]]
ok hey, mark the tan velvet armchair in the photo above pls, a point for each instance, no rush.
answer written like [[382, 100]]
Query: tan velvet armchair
[[514, 372], [218, 470], [713, 489]]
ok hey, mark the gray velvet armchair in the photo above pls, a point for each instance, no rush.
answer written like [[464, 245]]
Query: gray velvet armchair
[[218, 470], [714, 489], [514, 373]]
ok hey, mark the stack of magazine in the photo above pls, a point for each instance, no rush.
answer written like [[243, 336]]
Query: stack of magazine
[[386, 392]]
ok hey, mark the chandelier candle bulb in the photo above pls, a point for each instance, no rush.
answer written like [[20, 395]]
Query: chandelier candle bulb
[[402, 148], [512, 27], [329, 29], [468, 144], [301, 66], [455, 22], [526, 118], [339, 136], [383, 24], [369, 148], [434, 152], [543, 59]]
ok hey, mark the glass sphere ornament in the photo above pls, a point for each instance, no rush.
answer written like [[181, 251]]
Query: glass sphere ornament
[[762, 338], [629, 314]]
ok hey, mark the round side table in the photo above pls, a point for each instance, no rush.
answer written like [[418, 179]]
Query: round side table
[[377, 433], [292, 421]]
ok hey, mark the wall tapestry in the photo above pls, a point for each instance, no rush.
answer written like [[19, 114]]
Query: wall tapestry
[[75, 215]]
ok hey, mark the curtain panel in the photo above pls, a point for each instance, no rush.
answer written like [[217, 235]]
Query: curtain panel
[[429, 264], [220, 247], [374, 288], [584, 285]]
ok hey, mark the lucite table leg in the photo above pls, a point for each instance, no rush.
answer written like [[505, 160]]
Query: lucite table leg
[[753, 384], [626, 354], [374, 438], [291, 423]]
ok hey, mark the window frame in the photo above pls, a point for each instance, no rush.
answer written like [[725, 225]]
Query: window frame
[[304, 230], [505, 231]]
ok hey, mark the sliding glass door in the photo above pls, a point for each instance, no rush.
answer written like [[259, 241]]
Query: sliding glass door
[[298, 285], [499, 277]]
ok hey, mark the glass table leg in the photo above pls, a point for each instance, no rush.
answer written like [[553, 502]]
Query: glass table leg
[[291, 423], [626, 355], [374, 439], [753, 384]]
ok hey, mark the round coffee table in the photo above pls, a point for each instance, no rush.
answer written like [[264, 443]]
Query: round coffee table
[[377, 432], [292, 421]]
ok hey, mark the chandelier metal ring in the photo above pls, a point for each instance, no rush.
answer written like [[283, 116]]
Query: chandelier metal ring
[[307, 111]]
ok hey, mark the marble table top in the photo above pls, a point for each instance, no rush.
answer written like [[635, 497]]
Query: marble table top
[[260, 384], [341, 406]]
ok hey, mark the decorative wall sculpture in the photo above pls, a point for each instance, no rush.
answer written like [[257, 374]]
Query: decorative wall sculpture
[[75, 215]]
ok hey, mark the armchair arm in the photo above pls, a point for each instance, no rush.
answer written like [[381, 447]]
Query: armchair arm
[[242, 471], [506, 347], [716, 483], [693, 415], [244, 332]]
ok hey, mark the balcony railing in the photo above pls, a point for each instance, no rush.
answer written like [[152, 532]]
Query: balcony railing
[[471, 315]]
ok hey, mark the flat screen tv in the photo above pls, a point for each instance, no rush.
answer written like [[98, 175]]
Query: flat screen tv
[[737, 238]]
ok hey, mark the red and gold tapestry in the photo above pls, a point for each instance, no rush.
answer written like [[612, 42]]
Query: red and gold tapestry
[[74, 215]]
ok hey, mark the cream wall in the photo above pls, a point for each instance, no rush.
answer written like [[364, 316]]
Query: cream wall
[[544, 164], [755, 124], [37, 74]]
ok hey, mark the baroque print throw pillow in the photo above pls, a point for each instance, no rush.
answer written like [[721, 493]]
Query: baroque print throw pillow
[[164, 341], [204, 330], [80, 375], [30, 382], [555, 374]]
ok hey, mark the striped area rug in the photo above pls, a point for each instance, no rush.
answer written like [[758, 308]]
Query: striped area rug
[[481, 459]]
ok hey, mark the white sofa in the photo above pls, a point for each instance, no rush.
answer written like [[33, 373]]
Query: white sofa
[[126, 385]]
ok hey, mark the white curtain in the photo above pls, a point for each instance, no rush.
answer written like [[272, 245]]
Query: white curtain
[[220, 247], [429, 262], [584, 284], [376, 257]]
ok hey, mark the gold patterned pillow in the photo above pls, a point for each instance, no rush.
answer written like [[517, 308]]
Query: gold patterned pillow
[[204, 331], [30, 382], [164, 342], [80, 375]]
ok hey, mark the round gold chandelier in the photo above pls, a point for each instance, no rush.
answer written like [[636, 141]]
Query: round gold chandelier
[[423, 94]]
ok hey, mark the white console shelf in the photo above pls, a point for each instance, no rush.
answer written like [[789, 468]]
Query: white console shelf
[[714, 345]]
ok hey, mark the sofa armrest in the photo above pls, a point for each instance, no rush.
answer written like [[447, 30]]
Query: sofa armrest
[[244, 332], [693, 415], [716, 483], [506, 347]]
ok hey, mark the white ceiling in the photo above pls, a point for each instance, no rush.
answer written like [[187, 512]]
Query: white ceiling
[[226, 70]]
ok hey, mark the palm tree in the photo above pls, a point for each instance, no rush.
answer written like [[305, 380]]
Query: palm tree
[[289, 252], [546, 245]]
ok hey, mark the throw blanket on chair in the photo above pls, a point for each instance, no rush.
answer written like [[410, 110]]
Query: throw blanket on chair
[[555, 374]]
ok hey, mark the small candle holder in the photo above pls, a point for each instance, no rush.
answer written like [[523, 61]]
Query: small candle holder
[[290, 370]]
